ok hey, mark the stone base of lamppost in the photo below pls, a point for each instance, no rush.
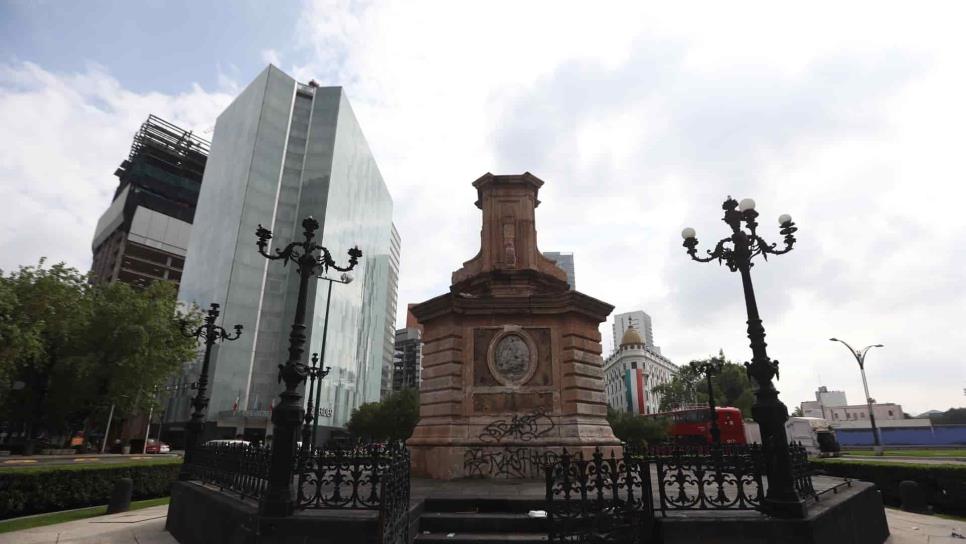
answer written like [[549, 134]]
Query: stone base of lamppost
[[781, 500], [192, 434], [287, 419]]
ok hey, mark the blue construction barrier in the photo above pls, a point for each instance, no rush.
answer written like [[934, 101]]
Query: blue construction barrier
[[937, 435]]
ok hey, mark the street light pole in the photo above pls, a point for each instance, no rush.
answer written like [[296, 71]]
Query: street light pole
[[737, 252], [860, 358], [710, 368], [345, 278], [211, 333], [287, 416]]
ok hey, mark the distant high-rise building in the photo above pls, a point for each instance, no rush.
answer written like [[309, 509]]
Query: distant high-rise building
[[283, 151], [388, 360], [566, 262], [408, 359], [143, 235], [640, 321]]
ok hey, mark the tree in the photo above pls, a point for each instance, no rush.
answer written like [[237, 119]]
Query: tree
[[392, 419], [71, 349], [731, 387], [637, 430], [797, 412], [953, 416]]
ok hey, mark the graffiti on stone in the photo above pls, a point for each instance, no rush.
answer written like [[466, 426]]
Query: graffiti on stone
[[526, 427], [507, 462]]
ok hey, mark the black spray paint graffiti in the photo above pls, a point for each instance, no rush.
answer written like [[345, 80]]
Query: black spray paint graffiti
[[510, 461], [526, 427]]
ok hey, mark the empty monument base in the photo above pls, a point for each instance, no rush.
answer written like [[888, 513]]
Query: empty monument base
[[854, 515], [202, 515]]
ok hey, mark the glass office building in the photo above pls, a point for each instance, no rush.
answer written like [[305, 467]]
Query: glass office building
[[283, 151]]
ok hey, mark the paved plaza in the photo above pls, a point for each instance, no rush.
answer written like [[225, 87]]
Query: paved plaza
[[147, 526]]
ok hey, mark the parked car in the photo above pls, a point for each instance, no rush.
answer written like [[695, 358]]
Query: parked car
[[156, 447], [234, 442]]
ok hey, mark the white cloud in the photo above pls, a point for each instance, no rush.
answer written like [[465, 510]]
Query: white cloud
[[642, 118], [62, 137]]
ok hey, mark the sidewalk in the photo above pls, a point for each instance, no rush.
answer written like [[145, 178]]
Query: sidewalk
[[907, 528], [147, 527], [144, 526]]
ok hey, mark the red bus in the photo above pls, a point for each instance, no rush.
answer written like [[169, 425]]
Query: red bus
[[690, 425]]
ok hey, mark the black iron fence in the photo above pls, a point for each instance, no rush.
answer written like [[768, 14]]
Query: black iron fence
[[709, 478], [236, 468], [365, 477], [601, 499]]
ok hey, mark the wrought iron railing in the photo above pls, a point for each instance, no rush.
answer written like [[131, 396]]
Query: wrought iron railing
[[709, 478], [801, 471], [233, 467], [365, 477], [601, 499]]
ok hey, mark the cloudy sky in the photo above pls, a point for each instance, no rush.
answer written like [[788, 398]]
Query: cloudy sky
[[641, 121]]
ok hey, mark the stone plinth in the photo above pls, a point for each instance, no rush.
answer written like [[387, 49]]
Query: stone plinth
[[512, 367]]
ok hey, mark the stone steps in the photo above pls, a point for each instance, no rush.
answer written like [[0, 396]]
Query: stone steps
[[481, 521]]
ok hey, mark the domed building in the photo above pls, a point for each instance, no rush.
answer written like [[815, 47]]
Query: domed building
[[632, 372]]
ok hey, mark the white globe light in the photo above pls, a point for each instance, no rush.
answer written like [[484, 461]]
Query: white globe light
[[746, 204], [784, 218], [687, 233]]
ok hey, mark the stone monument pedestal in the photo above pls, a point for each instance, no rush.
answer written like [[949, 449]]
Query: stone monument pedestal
[[512, 367]]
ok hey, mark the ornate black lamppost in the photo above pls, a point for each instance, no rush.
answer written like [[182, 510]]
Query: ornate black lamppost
[[211, 333], [860, 358], [737, 252], [710, 368], [287, 416]]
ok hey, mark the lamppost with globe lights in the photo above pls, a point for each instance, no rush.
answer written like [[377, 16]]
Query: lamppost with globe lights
[[860, 358], [309, 259], [736, 252]]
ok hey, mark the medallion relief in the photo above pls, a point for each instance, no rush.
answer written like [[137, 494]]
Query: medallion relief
[[512, 357]]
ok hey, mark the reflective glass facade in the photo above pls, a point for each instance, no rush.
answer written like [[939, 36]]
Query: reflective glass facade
[[283, 151]]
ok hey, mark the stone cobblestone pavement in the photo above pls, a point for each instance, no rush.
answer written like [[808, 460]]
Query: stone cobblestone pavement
[[147, 527]]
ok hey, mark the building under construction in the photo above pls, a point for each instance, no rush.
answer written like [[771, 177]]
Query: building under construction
[[143, 235]]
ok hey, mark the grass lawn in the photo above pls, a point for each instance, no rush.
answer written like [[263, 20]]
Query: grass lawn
[[89, 466], [51, 518], [961, 452]]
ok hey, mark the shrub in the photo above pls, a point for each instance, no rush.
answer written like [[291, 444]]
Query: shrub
[[36, 490], [944, 485]]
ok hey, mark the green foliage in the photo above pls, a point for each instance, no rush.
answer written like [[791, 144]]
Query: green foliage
[[637, 430], [953, 416], [48, 489], [731, 387], [69, 349], [797, 412], [943, 484], [391, 419]]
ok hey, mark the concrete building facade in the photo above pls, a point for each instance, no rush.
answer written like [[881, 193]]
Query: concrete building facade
[[143, 235], [282, 151], [408, 360], [632, 372], [566, 262], [834, 407]]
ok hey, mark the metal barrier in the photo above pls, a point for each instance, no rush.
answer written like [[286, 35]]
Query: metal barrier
[[233, 467], [366, 477], [599, 499], [709, 478]]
